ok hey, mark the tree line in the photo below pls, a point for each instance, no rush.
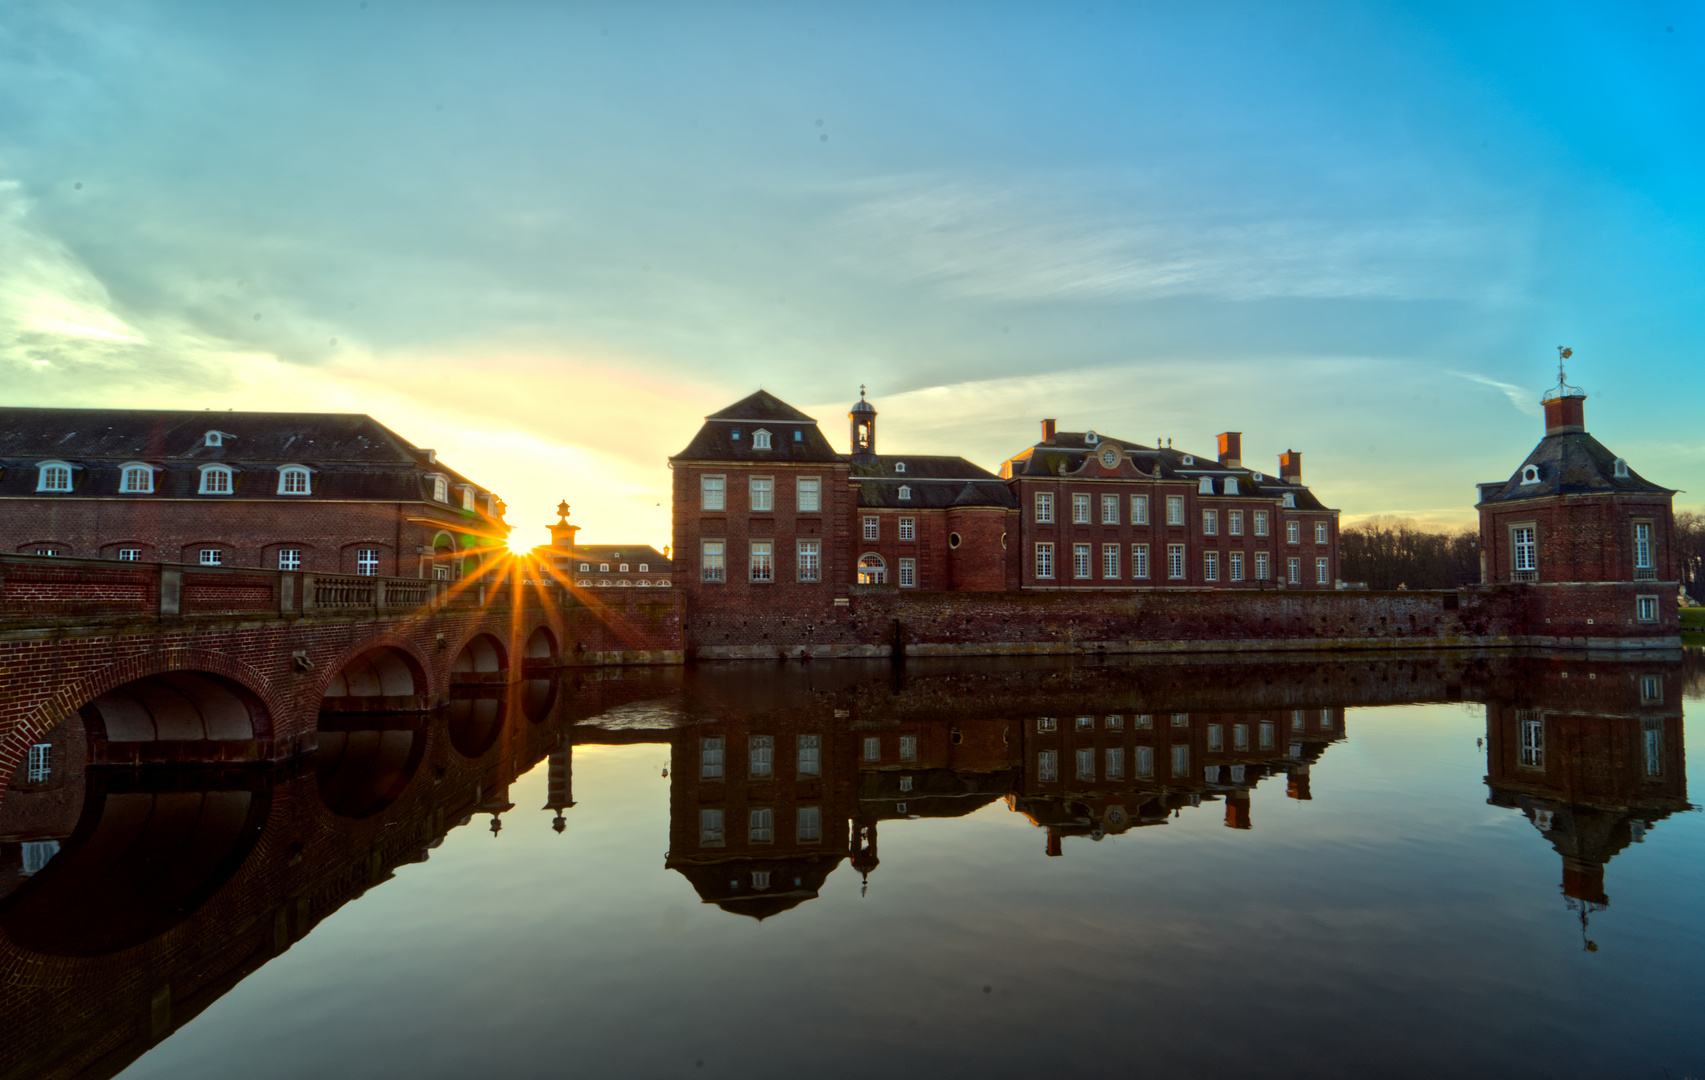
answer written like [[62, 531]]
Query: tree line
[[1389, 553]]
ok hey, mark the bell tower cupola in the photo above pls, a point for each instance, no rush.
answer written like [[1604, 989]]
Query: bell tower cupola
[[1565, 410], [863, 418]]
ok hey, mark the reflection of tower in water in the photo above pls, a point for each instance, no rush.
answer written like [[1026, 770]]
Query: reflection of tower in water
[[559, 784]]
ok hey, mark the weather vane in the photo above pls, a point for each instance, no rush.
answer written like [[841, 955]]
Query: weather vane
[[1563, 353]]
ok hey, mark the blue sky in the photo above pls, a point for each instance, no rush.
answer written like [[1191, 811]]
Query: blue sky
[[547, 238]]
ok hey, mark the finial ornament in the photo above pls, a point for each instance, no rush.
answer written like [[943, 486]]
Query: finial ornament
[[562, 509], [1563, 389], [861, 391], [1563, 353]]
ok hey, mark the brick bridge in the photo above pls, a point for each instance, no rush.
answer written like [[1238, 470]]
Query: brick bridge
[[166, 663]]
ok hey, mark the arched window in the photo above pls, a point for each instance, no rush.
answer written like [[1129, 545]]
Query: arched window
[[53, 476], [1205, 486], [440, 489], [905, 491], [467, 498], [1621, 469], [899, 466], [872, 570], [760, 439], [585, 567], [1290, 501], [623, 568], [294, 480], [136, 479], [604, 568], [215, 480], [644, 568]]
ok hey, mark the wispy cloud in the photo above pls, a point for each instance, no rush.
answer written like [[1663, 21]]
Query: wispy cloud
[[1049, 241], [1520, 396]]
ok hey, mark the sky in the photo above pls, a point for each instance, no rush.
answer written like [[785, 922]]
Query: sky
[[546, 239]]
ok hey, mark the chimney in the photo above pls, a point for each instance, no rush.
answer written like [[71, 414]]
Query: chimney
[[1237, 811], [1047, 431], [1290, 467], [1565, 413], [1231, 449], [1054, 848]]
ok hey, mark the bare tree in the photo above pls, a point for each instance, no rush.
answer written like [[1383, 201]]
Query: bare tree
[[1386, 552]]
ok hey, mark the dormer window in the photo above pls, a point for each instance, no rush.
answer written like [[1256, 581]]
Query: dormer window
[[467, 498], [906, 491], [644, 568], [1205, 486], [604, 568], [213, 438], [1231, 485], [798, 435], [1091, 438], [137, 479], [1530, 474], [53, 476], [440, 489], [1290, 502], [216, 480], [294, 480], [623, 568], [1257, 477], [1620, 469], [735, 434], [585, 568], [899, 466], [1188, 460], [760, 439]]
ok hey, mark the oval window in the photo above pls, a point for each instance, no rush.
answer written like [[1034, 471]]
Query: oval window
[[953, 540]]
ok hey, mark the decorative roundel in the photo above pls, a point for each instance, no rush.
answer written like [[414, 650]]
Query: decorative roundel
[[1109, 456]]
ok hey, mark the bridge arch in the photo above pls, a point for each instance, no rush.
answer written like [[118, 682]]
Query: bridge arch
[[386, 675], [481, 659]]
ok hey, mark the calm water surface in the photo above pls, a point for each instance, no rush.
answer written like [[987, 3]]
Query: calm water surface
[[1465, 866]]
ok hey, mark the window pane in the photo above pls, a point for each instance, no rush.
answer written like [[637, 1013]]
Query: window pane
[[711, 493], [810, 494]]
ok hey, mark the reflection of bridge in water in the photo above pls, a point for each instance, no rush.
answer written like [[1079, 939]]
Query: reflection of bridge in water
[[133, 897]]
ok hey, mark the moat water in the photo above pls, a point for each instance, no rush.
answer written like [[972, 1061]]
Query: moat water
[[1422, 866]]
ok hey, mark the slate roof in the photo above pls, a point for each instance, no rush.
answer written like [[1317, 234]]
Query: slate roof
[[760, 407], [935, 482], [1069, 450], [351, 455], [1570, 463], [727, 434], [633, 554]]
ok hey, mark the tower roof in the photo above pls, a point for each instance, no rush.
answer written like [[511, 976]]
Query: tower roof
[[1570, 463], [759, 407]]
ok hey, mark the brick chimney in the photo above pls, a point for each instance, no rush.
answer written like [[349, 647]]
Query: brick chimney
[[1231, 449], [1048, 431], [1565, 413], [1290, 467]]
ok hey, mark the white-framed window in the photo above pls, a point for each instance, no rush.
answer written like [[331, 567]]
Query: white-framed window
[[47, 551], [1139, 509], [760, 756], [1045, 560], [290, 558], [1080, 561], [1210, 566], [1115, 763], [1181, 759], [762, 491], [1530, 474], [809, 494], [213, 438], [212, 557], [1619, 469], [1524, 548], [1145, 761], [1046, 723], [760, 826], [1047, 767], [1139, 561], [1210, 523], [129, 554], [1234, 522], [712, 561], [1110, 561], [872, 570], [440, 489], [710, 757], [467, 497], [1320, 532], [1652, 747], [1293, 571], [1086, 763], [1205, 486], [442, 573], [623, 568], [1293, 531], [1289, 502], [1240, 736], [908, 573], [763, 560], [1188, 460], [760, 439], [908, 748], [710, 827], [296, 480], [1651, 689], [1646, 608], [1109, 509], [1532, 742], [644, 568], [1234, 566], [872, 527], [1299, 720], [1231, 485], [603, 568], [810, 755], [1080, 509], [808, 824], [136, 479], [905, 783], [899, 466], [908, 528], [1267, 734], [1044, 507], [1323, 571], [1262, 570], [40, 766], [1211, 774], [215, 480], [810, 560], [367, 562], [1642, 545], [585, 567], [1175, 509], [1260, 523], [1086, 723], [873, 748], [713, 492], [1175, 561], [906, 492]]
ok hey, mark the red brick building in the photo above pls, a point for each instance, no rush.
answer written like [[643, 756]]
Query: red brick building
[[1590, 538], [763, 504], [325, 492], [613, 565]]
